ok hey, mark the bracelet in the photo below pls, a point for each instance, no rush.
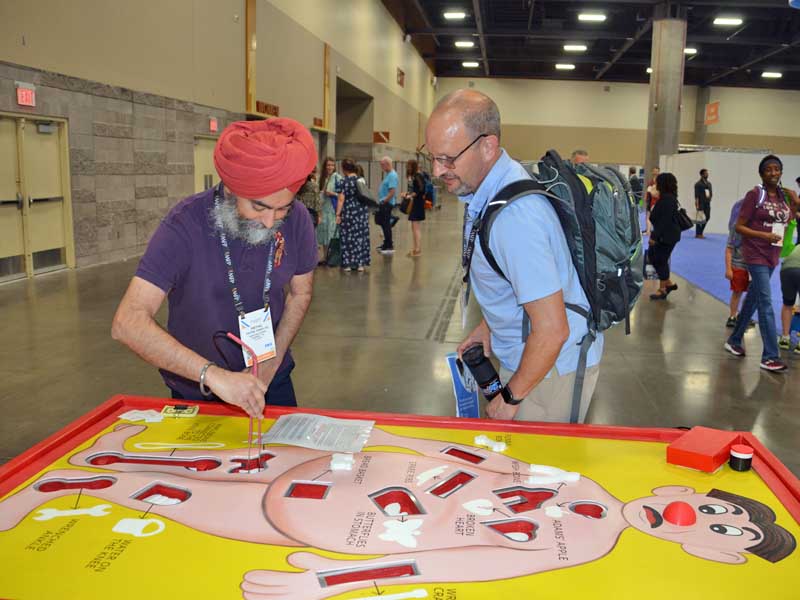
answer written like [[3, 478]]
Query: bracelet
[[203, 389]]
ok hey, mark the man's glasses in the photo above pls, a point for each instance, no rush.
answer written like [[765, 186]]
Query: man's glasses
[[449, 162]]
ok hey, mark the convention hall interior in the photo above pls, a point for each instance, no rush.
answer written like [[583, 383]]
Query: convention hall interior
[[110, 112]]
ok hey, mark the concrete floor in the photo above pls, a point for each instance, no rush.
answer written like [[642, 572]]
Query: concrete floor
[[377, 341]]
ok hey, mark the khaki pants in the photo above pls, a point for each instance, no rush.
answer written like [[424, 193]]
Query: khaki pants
[[551, 400]]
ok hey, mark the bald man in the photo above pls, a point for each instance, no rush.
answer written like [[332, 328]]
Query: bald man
[[223, 258], [387, 197], [463, 137]]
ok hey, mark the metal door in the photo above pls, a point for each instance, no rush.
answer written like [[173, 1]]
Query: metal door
[[205, 175], [12, 237]]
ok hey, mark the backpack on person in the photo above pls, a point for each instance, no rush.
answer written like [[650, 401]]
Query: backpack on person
[[429, 191], [598, 215]]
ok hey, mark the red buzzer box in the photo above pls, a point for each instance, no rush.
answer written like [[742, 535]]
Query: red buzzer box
[[702, 448]]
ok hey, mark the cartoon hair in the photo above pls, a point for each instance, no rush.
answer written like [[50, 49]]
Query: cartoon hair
[[777, 543]]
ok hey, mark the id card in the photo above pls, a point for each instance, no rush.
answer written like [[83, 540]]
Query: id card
[[779, 229], [255, 330]]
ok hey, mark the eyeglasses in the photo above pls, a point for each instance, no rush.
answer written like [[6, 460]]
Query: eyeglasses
[[449, 162]]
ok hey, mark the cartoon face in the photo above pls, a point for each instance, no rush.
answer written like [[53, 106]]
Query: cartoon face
[[705, 526]]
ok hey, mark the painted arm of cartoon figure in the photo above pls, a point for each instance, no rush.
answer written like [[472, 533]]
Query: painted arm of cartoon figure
[[326, 577]]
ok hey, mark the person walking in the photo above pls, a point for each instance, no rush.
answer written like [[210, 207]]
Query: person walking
[[765, 211], [416, 192], [702, 202], [666, 232]]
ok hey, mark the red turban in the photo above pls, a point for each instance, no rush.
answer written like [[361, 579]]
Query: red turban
[[258, 158]]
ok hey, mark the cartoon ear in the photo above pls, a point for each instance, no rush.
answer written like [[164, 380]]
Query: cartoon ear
[[731, 558], [673, 490]]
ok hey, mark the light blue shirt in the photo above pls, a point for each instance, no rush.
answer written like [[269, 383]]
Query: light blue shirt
[[530, 248], [389, 182]]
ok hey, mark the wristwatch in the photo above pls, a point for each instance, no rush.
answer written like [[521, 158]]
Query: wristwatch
[[508, 396]]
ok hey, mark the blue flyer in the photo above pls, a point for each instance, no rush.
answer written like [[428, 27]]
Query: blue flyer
[[464, 389]]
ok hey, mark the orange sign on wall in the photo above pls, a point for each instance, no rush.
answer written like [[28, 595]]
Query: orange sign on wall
[[712, 113]]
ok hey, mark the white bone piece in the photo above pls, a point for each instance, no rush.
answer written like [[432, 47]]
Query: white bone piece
[[554, 512], [402, 532], [480, 506], [418, 593], [482, 440], [342, 462], [45, 514], [430, 474], [545, 474], [161, 500]]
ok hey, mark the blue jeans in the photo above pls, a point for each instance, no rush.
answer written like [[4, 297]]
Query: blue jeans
[[759, 298]]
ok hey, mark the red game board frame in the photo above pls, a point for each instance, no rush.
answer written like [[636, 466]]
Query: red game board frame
[[777, 477]]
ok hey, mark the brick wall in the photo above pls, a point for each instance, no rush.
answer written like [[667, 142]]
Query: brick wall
[[131, 155]]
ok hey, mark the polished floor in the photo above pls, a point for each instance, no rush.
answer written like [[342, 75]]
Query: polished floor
[[377, 341]]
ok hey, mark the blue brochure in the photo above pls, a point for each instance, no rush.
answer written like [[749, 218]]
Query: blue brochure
[[464, 388]]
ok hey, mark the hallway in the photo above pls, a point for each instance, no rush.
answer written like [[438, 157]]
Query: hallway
[[377, 341]]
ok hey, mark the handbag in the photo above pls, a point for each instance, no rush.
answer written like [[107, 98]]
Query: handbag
[[684, 221], [334, 254], [364, 195], [700, 217], [406, 205]]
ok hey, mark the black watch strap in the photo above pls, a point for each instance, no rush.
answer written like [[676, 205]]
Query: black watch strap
[[508, 397]]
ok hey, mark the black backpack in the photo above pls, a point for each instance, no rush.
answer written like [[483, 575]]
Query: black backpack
[[598, 215]]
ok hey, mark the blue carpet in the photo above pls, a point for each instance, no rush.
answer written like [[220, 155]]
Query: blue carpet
[[702, 263]]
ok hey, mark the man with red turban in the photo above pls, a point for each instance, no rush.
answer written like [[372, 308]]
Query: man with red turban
[[223, 258]]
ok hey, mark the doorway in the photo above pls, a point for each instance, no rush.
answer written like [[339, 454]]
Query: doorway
[[205, 174], [35, 211]]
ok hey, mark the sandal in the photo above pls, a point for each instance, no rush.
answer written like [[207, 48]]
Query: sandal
[[658, 296]]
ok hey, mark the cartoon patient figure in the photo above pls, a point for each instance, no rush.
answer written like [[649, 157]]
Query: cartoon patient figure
[[436, 512]]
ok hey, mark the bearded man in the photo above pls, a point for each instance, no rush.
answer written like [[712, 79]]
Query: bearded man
[[223, 258]]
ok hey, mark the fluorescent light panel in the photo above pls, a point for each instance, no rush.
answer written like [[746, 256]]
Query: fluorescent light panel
[[728, 21], [565, 67], [690, 51], [592, 17], [771, 75], [574, 47], [470, 64], [464, 44], [454, 15]]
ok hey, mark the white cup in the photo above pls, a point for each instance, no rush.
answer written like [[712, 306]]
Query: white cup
[[137, 527]]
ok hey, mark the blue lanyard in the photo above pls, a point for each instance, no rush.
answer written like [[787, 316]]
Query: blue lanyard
[[226, 252]]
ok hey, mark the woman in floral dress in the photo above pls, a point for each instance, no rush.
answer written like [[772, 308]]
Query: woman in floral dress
[[352, 217]]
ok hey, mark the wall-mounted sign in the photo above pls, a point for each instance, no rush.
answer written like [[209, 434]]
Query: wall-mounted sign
[[267, 109], [401, 77], [712, 113], [318, 122], [213, 125], [380, 137], [26, 93]]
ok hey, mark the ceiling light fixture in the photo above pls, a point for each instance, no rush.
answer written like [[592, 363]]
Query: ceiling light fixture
[[470, 64], [592, 17], [565, 67], [649, 70], [728, 21], [454, 15], [771, 75], [574, 48], [464, 44], [690, 51]]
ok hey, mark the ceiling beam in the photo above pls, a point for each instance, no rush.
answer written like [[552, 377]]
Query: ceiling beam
[[625, 47], [530, 14], [476, 11], [758, 59], [423, 13]]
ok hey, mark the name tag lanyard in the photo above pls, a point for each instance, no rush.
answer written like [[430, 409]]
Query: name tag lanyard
[[467, 251], [239, 305]]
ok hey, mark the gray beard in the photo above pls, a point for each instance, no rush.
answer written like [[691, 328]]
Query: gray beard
[[235, 226]]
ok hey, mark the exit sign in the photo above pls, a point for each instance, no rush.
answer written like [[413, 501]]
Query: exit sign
[[26, 94]]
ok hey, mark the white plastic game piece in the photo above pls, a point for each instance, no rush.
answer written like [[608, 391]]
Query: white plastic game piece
[[482, 440], [402, 532], [418, 593], [545, 474], [148, 416], [554, 512], [342, 462], [99, 510], [480, 506]]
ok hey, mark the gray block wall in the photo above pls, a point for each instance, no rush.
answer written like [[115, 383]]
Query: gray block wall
[[131, 155]]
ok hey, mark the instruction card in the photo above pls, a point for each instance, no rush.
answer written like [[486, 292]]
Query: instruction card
[[319, 433], [464, 388]]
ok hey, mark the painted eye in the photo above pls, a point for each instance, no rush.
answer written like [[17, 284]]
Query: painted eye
[[725, 529], [712, 509]]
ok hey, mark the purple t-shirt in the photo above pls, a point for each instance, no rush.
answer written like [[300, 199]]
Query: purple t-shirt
[[185, 259], [760, 217]]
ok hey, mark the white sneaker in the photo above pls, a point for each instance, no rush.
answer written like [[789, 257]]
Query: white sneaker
[[386, 250]]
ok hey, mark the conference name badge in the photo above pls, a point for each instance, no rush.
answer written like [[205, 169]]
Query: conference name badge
[[255, 330]]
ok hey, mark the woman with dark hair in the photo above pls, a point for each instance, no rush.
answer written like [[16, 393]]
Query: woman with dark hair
[[328, 197], [765, 211], [666, 232], [353, 219], [416, 192]]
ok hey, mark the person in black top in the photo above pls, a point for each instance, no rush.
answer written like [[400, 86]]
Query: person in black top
[[636, 184], [702, 201], [666, 232]]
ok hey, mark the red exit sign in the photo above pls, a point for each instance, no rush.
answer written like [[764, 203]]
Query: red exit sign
[[26, 95]]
